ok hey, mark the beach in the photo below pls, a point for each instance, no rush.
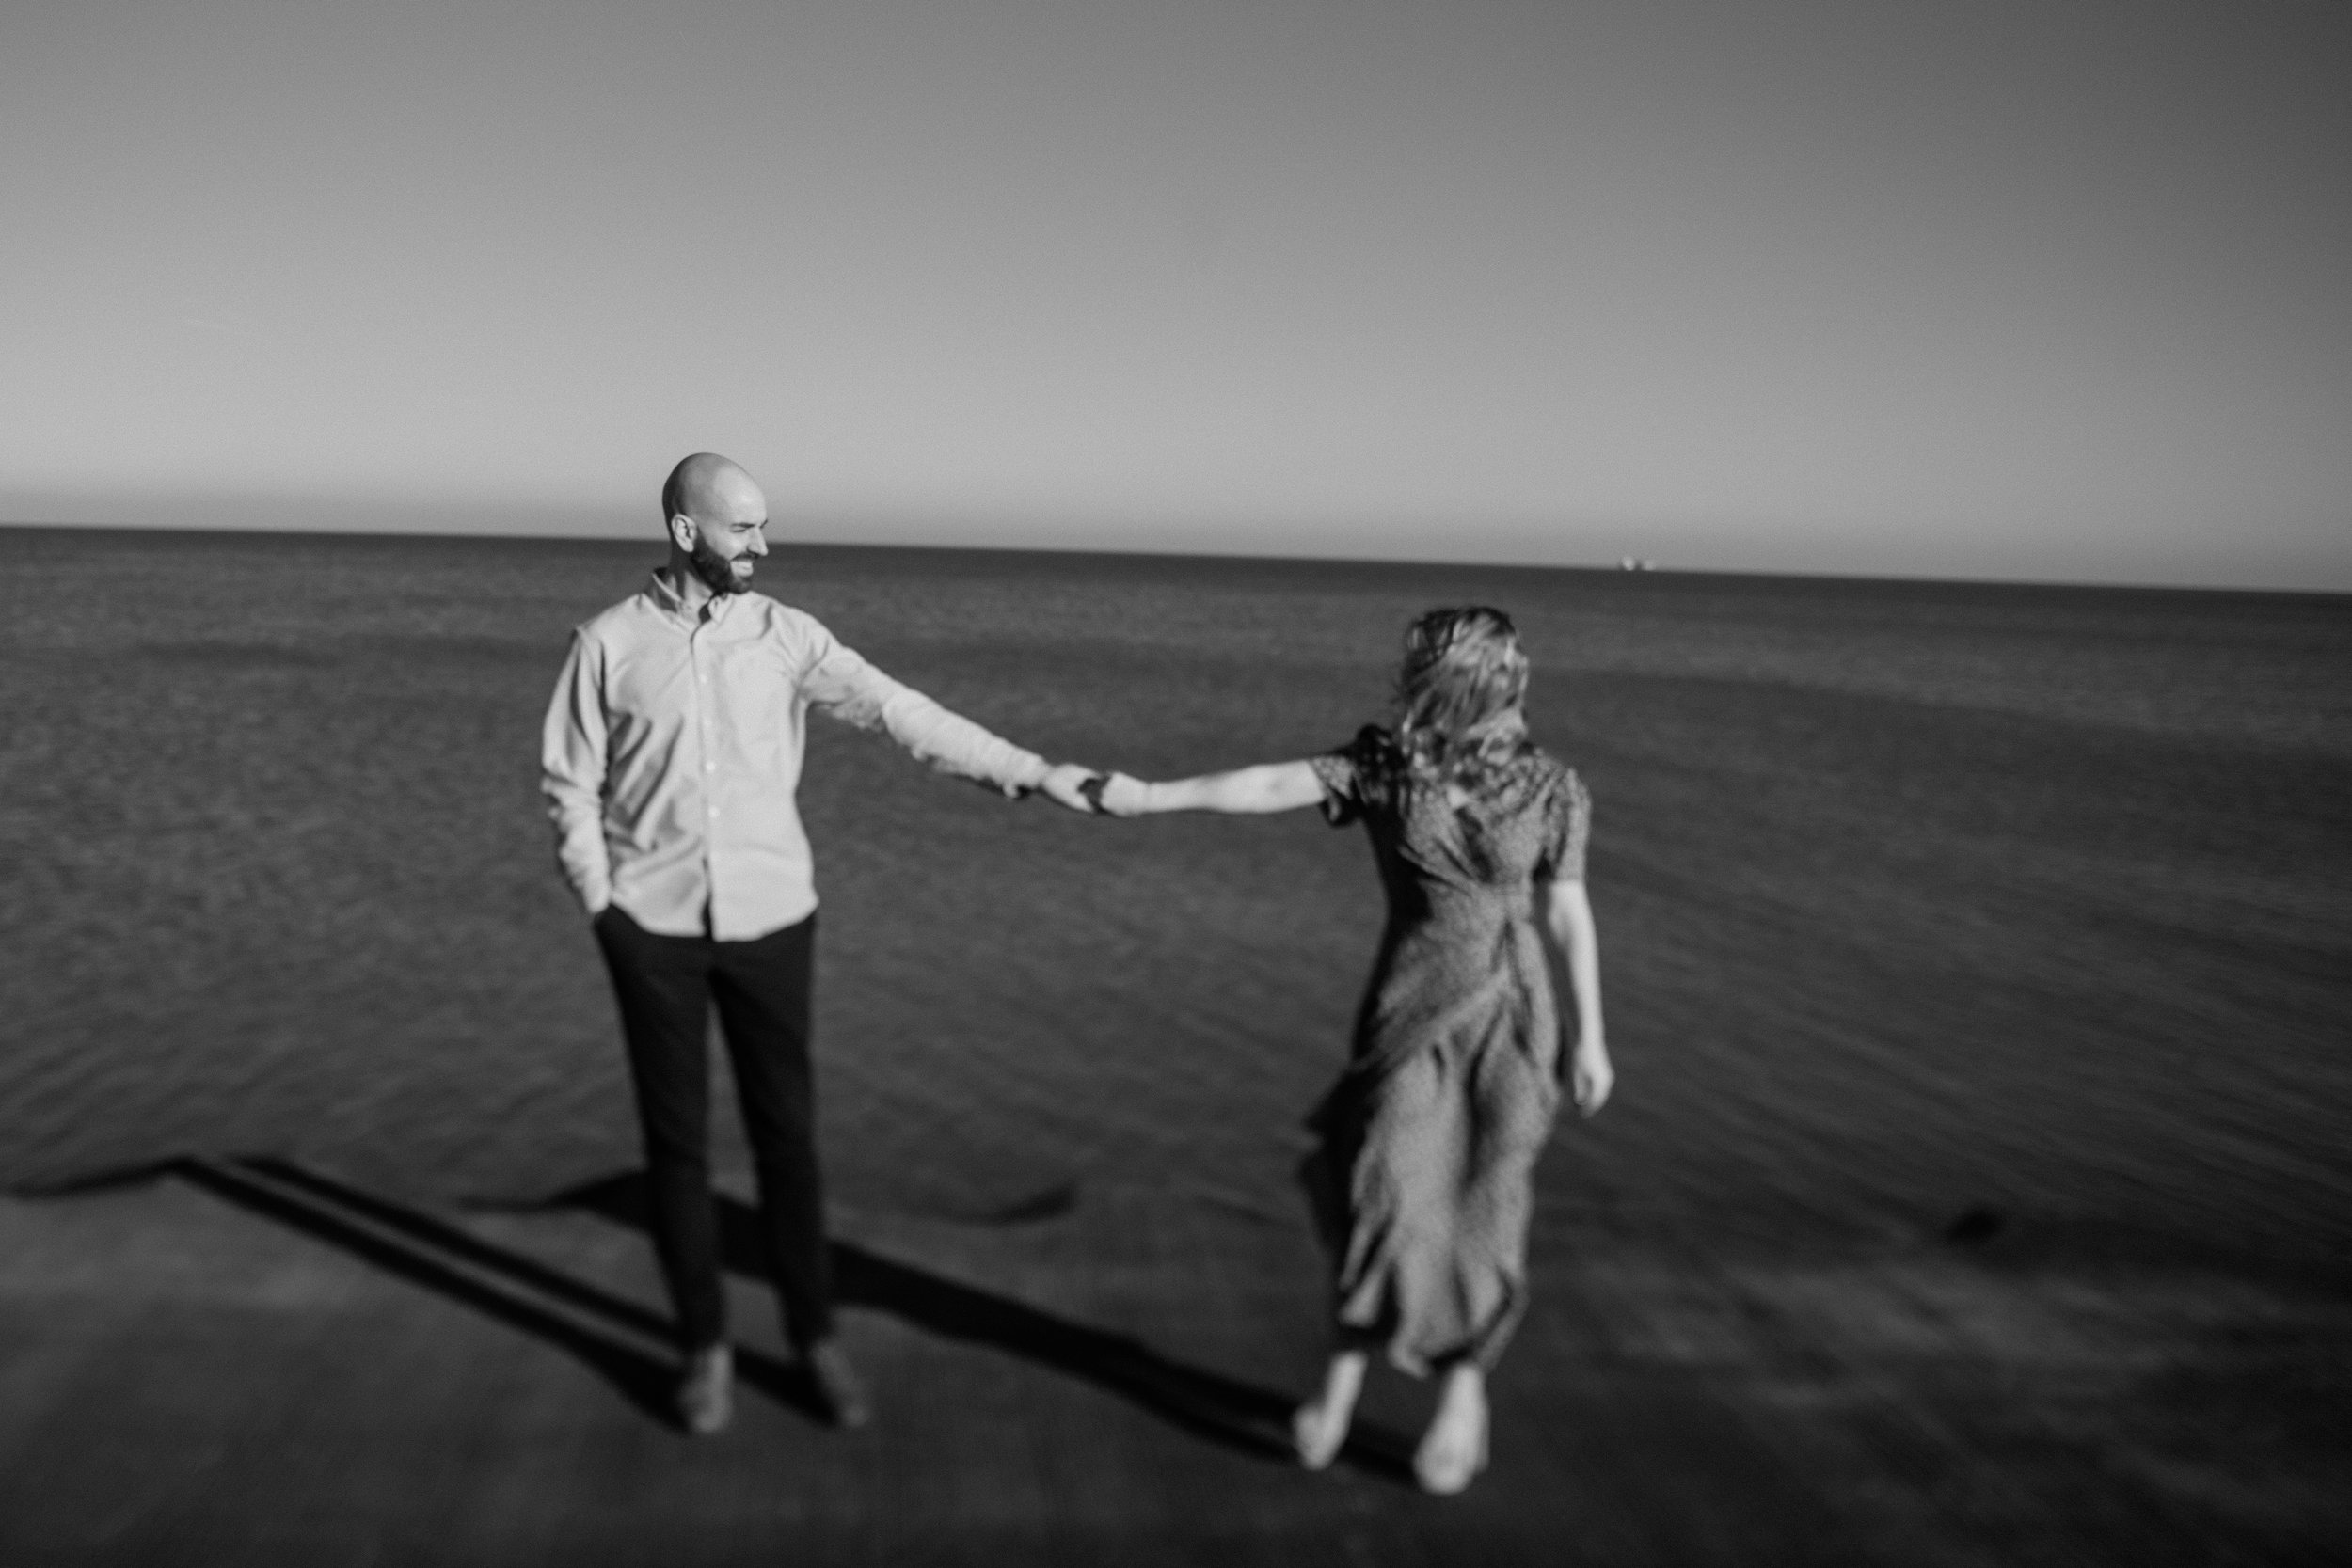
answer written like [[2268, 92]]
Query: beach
[[1978, 1186]]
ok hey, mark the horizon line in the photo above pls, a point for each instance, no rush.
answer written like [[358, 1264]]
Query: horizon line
[[1625, 566]]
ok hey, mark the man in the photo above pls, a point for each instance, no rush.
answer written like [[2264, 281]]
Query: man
[[670, 753]]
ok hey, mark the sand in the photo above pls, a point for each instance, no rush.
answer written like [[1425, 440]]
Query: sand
[[1977, 1190]]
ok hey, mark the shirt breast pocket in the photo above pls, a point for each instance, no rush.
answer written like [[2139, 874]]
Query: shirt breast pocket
[[756, 690], [644, 692]]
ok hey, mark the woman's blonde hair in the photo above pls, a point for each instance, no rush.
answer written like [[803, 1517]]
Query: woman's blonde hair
[[1459, 694]]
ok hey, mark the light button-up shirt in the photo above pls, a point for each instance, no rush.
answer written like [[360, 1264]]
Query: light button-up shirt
[[672, 755]]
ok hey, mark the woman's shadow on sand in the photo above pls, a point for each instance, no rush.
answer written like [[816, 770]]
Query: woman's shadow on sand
[[626, 1343]]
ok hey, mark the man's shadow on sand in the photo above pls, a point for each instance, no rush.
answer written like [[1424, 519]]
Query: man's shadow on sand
[[617, 1337]]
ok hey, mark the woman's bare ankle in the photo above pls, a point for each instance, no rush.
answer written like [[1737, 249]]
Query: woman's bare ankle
[[1343, 1379]]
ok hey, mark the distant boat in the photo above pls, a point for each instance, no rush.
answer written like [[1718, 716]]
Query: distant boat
[[1630, 563]]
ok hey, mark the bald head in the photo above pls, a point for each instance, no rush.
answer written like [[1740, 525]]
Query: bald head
[[709, 488], [714, 514]]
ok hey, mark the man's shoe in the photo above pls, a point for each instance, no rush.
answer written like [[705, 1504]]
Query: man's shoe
[[705, 1395], [836, 1384]]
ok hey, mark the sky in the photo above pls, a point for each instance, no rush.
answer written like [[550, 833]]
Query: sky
[[2042, 291]]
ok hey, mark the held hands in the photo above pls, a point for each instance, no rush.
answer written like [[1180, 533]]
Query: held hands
[[1068, 784], [1121, 796], [1092, 794]]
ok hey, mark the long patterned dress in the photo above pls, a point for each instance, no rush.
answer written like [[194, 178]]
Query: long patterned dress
[[1427, 1143]]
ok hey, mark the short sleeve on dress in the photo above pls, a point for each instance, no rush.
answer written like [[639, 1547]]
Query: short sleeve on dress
[[1346, 775], [1568, 823]]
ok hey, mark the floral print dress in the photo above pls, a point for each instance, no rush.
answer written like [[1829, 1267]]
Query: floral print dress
[[1427, 1143]]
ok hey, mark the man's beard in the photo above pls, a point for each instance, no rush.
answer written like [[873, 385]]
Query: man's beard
[[717, 572]]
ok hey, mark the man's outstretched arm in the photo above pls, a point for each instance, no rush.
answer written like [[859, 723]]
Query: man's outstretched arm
[[844, 685]]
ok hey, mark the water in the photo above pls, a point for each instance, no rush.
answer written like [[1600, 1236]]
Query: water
[[1913, 896]]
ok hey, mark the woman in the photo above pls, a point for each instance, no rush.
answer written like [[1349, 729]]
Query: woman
[[1427, 1143]]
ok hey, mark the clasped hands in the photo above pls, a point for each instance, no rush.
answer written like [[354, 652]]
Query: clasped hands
[[1090, 793]]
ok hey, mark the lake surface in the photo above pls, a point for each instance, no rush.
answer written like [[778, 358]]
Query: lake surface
[[1914, 897]]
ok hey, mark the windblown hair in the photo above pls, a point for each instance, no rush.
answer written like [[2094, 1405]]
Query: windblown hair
[[1459, 694]]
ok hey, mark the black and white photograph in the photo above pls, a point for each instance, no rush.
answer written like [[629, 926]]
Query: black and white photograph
[[1221, 782]]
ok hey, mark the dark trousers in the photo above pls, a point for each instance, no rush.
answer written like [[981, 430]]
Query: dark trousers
[[666, 987]]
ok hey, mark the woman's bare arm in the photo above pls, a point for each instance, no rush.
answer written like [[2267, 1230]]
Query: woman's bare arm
[[1267, 787], [1568, 919]]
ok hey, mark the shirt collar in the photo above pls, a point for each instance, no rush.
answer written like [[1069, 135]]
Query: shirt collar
[[668, 598]]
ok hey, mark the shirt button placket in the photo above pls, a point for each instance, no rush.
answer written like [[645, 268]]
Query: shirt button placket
[[710, 768]]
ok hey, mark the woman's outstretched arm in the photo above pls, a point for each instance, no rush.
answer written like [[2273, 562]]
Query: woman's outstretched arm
[[1269, 787], [1568, 917]]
